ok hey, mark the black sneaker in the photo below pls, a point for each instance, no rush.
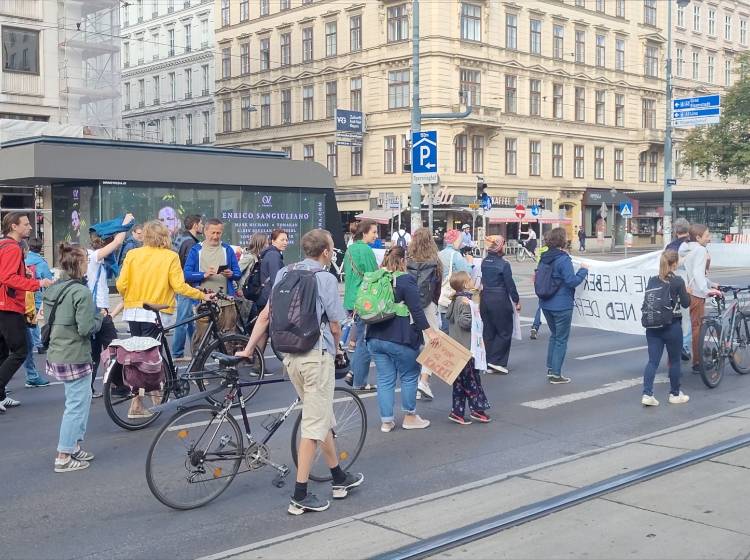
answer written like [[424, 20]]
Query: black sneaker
[[310, 503], [533, 334], [341, 491], [696, 369], [685, 356], [558, 379]]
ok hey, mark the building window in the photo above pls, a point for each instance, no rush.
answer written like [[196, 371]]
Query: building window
[[696, 65], [581, 3], [600, 107], [204, 33], [711, 68], [535, 98], [188, 83], [125, 53], [356, 161], [171, 41], [355, 93], [619, 109], [580, 104], [331, 99], [728, 72], [307, 44], [307, 103], [601, 6], [398, 89], [224, 13], [601, 51], [620, 55], [188, 37], [460, 153], [244, 59], [743, 32], [332, 158], [308, 152], [728, 27], [204, 79], [558, 42], [265, 53], [535, 36], [244, 10], [557, 101], [511, 156], [355, 38], [405, 152], [141, 51], [286, 106], [649, 12], [206, 121], [511, 31], [642, 166], [696, 18], [398, 23], [172, 86], [471, 22], [286, 49], [227, 116], [331, 39], [535, 158], [680, 16], [619, 164], [649, 113], [226, 63], [711, 21], [265, 7], [578, 161], [265, 109], [598, 163], [142, 93], [155, 45], [511, 94], [245, 110], [285, 5], [680, 67], [580, 52], [477, 154], [389, 154], [651, 62], [653, 166], [471, 87], [157, 92], [127, 96], [557, 160]]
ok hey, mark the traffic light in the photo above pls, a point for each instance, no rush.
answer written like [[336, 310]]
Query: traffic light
[[541, 203], [481, 188]]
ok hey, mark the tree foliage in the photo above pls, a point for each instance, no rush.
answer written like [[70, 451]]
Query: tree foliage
[[725, 147]]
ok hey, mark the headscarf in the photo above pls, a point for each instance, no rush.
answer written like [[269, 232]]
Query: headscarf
[[495, 243], [450, 236]]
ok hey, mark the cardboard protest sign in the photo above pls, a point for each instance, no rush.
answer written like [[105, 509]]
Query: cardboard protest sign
[[445, 359]]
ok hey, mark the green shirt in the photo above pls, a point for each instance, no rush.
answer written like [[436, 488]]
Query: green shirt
[[359, 259]]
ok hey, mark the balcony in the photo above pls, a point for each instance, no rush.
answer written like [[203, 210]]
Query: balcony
[[140, 60], [186, 4], [204, 45], [170, 9], [126, 64], [188, 48], [140, 19], [171, 52], [154, 14]]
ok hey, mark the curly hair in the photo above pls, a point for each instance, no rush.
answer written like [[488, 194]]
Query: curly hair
[[422, 248]]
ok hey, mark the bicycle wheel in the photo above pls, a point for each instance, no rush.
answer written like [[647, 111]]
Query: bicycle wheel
[[740, 356], [249, 370], [124, 407], [712, 358], [349, 434], [194, 457], [521, 255]]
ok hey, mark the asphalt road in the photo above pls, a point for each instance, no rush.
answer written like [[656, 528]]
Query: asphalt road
[[107, 511]]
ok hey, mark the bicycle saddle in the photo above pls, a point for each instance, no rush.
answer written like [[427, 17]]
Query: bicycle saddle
[[226, 360], [155, 307]]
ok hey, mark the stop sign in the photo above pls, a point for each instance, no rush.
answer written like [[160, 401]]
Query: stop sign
[[520, 211]]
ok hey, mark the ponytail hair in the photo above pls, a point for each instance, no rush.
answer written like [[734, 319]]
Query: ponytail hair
[[667, 261], [73, 259]]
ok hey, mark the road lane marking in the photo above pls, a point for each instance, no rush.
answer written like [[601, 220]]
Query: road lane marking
[[612, 353], [543, 404]]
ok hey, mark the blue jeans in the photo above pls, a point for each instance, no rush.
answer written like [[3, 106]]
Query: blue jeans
[[36, 336], [184, 311], [444, 322], [671, 337], [361, 358], [393, 361], [687, 334], [536, 325], [32, 374], [559, 328], [76, 415]]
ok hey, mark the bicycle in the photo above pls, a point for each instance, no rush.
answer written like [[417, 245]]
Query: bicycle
[[725, 334], [118, 398], [195, 456], [523, 253]]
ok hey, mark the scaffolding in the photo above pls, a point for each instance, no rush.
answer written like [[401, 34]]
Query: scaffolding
[[89, 65]]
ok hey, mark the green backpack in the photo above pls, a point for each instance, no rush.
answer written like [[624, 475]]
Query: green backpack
[[375, 301]]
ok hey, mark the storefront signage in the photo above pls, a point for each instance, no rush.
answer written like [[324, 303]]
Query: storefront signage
[[443, 197]]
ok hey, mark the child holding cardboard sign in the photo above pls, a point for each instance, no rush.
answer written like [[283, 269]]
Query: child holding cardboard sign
[[468, 385]]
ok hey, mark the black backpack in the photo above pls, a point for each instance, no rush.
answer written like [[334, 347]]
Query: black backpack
[[424, 274], [401, 241], [252, 287], [658, 309], [545, 286], [294, 318]]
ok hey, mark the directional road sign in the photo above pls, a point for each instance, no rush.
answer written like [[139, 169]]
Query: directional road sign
[[424, 156], [535, 210], [626, 210], [692, 111], [520, 211]]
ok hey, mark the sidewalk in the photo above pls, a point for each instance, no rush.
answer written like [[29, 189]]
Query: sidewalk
[[696, 512]]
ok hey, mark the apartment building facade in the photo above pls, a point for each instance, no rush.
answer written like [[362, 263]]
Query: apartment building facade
[[168, 71], [567, 96]]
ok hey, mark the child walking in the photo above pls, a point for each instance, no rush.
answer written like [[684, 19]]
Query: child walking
[[467, 385]]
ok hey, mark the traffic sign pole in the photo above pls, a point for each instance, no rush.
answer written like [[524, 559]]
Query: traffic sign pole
[[416, 115], [667, 202]]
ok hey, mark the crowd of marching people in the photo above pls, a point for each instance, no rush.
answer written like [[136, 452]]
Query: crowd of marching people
[[396, 307]]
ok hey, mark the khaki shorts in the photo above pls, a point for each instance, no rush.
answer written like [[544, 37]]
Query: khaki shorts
[[313, 377]]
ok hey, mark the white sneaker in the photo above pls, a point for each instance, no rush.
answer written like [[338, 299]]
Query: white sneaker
[[498, 369], [682, 398], [9, 402], [424, 391], [416, 423], [649, 400]]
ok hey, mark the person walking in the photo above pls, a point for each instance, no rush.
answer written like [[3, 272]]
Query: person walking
[[695, 258], [681, 228], [358, 261], [581, 240], [40, 268], [537, 322], [499, 297], [558, 308], [14, 283], [451, 261], [183, 243], [271, 261], [133, 241], [468, 385], [69, 353], [423, 263], [669, 336], [33, 377], [394, 346]]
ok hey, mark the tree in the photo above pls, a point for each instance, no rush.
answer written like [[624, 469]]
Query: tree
[[725, 147]]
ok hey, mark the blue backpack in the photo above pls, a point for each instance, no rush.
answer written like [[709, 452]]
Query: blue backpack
[[545, 286]]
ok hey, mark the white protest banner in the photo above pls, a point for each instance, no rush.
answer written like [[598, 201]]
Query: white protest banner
[[611, 296]]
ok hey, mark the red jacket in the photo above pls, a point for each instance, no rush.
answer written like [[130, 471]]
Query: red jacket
[[13, 281]]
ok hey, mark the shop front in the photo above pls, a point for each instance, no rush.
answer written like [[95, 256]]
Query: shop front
[[601, 216]]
